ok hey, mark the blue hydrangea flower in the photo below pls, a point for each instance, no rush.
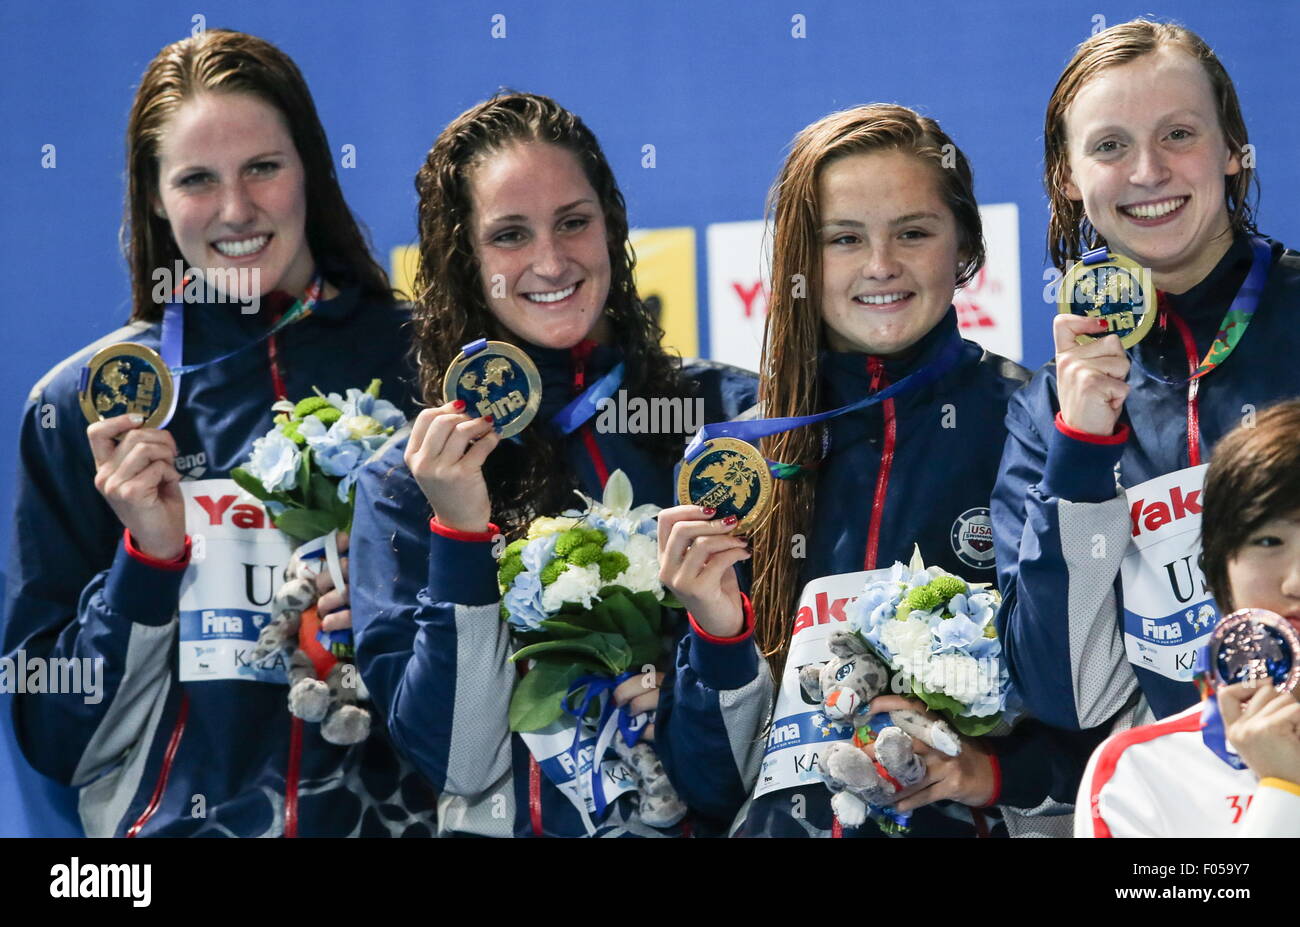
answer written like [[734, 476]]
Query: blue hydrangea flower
[[536, 554], [957, 633], [523, 600], [274, 460]]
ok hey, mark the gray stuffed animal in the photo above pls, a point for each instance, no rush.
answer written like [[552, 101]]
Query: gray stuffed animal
[[845, 687], [328, 700]]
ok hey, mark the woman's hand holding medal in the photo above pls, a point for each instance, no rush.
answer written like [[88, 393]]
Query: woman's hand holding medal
[[445, 454], [135, 470], [1263, 725], [1090, 378], [697, 558]]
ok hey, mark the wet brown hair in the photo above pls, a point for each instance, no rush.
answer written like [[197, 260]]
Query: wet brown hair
[[794, 336], [452, 310], [1068, 232], [222, 61], [1253, 477]]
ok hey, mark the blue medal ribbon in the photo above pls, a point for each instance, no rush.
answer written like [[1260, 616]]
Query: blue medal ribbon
[[600, 688], [172, 341], [754, 429], [580, 410], [1213, 731]]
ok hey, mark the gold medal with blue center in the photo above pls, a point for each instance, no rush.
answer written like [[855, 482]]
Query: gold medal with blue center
[[731, 476], [498, 379], [1110, 286], [1256, 646], [127, 378]]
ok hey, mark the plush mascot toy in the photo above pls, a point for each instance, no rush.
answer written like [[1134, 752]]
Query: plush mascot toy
[[845, 687], [316, 677]]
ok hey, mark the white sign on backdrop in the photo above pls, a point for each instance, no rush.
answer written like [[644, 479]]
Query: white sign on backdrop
[[988, 309]]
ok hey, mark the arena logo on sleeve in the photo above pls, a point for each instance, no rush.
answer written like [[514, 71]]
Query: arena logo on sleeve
[[226, 593], [1168, 609]]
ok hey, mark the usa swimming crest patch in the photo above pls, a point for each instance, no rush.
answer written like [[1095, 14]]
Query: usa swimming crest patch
[[972, 538]]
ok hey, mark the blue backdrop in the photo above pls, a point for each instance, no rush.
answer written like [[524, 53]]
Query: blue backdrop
[[718, 88]]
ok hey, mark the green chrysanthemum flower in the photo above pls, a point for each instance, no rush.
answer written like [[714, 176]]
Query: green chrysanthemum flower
[[290, 430], [923, 598], [328, 415], [514, 549], [551, 572], [511, 567], [947, 586], [585, 555], [612, 563], [310, 405], [569, 541]]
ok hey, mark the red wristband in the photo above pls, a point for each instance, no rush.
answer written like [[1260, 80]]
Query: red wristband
[[135, 553], [747, 612], [1119, 437], [456, 534], [997, 781]]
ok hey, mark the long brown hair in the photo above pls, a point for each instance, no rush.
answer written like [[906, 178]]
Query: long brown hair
[[1254, 477], [222, 61], [1068, 232], [794, 337], [451, 308]]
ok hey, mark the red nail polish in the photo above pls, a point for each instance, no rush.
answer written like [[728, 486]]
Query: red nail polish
[[709, 513], [730, 520], [459, 405], [489, 419]]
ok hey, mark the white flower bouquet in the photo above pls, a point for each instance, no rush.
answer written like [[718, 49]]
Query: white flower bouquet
[[304, 469], [936, 631]]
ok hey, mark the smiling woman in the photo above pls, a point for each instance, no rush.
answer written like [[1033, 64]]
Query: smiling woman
[[523, 239], [229, 173], [1146, 156]]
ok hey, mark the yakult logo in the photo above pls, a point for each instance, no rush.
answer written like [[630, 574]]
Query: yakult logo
[[1152, 516], [241, 516], [826, 610]]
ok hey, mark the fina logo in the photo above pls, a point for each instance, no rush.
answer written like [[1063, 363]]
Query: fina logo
[[972, 538]]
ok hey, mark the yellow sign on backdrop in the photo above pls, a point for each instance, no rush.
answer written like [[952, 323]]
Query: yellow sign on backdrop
[[665, 278]]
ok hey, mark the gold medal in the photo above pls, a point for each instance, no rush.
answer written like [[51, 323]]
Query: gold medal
[[731, 476], [1116, 289], [127, 378], [496, 379]]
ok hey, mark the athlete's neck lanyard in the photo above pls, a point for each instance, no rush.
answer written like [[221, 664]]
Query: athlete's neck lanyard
[[581, 409], [1213, 732], [1235, 321], [754, 429], [173, 335]]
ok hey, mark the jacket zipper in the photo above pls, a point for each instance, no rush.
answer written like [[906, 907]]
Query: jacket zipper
[[292, 772], [1193, 387], [877, 370], [169, 756], [578, 355]]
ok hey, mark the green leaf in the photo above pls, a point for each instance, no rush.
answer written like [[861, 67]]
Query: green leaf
[[629, 619], [250, 484], [609, 649], [322, 493], [651, 609], [304, 473], [563, 629], [304, 524], [976, 727], [538, 699]]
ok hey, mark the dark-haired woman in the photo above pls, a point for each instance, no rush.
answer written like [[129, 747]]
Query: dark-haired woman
[[523, 239], [134, 558], [883, 231]]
